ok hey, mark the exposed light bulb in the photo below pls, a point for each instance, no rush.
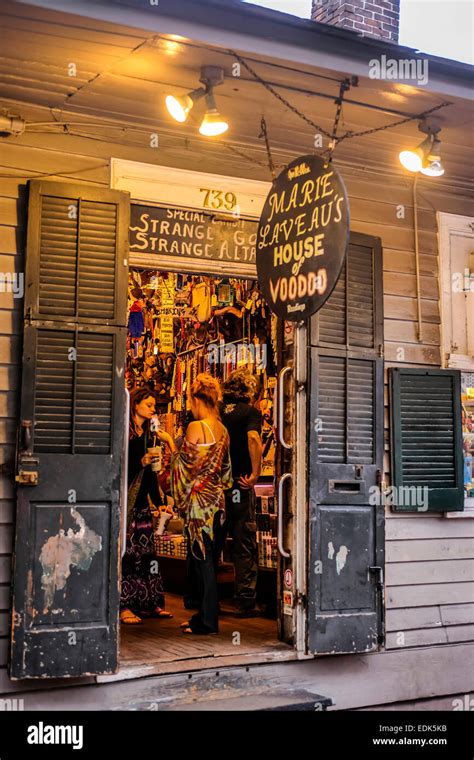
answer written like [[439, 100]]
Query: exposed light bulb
[[411, 160], [213, 124], [434, 168], [179, 107], [426, 157]]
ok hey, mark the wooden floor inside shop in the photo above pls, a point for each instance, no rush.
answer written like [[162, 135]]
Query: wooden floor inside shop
[[158, 646]]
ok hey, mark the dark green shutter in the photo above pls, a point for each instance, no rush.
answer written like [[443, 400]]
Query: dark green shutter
[[427, 439]]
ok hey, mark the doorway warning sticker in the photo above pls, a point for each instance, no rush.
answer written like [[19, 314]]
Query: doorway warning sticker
[[287, 602]]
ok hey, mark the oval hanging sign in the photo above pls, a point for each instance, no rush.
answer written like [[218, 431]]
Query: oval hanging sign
[[302, 237]]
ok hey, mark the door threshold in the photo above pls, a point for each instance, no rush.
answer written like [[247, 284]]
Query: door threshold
[[129, 670], [158, 647]]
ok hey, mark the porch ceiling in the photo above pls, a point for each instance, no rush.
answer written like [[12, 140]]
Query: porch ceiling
[[124, 73]]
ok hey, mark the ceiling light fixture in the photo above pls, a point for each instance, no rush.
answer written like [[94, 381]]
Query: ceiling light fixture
[[432, 166], [179, 106], [425, 158], [212, 124]]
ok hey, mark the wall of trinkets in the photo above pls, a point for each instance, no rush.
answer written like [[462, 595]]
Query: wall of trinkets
[[467, 401], [180, 325]]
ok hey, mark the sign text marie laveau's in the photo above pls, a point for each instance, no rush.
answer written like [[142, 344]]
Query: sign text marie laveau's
[[177, 232], [302, 238]]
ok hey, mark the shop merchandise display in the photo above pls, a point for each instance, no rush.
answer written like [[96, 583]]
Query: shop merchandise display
[[267, 550], [467, 401], [180, 325]]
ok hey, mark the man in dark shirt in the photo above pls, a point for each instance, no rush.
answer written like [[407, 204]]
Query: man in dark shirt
[[244, 424]]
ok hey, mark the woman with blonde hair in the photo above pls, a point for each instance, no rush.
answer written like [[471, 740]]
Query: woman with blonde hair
[[200, 472]]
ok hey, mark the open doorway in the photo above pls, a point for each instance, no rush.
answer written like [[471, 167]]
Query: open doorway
[[181, 325]]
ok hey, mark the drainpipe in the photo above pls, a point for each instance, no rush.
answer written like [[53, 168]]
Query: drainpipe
[[417, 259]]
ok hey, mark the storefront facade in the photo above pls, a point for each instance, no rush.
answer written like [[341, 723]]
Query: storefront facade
[[417, 592]]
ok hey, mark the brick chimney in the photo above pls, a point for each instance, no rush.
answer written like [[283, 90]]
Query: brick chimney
[[371, 18]]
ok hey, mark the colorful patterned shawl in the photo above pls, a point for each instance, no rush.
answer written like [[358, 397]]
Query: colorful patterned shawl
[[199, 475]]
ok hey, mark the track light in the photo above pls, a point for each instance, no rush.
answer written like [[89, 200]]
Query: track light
[[213, 124], [179, 106], [413, 159], [432, 167], [425, 158]]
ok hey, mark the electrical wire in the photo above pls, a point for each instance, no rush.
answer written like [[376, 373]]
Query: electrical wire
[[348, 134], [279, 97]]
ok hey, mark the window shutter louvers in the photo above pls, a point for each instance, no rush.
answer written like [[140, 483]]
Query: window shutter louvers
[[71, 492], [347, 330], [345, 459], [427, 438]]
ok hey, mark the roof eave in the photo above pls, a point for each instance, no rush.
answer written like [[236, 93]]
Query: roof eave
[[270, 34]]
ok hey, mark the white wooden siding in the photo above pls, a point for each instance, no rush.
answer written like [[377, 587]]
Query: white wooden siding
[[429, 593]]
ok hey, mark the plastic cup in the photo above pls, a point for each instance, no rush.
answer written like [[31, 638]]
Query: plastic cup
[[155, 451]]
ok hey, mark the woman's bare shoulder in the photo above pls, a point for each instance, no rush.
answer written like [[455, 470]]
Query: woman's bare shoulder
[[193, 431]]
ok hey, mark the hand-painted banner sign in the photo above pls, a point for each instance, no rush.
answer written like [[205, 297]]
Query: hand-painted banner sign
[[302, 238], [178, 233]]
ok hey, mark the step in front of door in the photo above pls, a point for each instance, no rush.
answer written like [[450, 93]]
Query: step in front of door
[[264, 698]]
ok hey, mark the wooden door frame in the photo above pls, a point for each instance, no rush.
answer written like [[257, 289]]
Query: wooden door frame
[[181, 188]]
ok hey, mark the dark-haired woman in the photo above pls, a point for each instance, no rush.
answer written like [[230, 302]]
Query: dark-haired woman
[[142, 585], [200, 471]]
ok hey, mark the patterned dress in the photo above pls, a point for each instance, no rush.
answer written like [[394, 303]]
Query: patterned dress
[[142, 584], [199, 475]]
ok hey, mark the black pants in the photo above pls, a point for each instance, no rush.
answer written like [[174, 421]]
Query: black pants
[[242, 527], [202, 587]]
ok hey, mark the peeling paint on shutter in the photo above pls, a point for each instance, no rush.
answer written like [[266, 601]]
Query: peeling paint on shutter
[[71, 493], [346, 538]]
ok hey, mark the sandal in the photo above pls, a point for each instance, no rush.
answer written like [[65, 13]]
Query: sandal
[[186, 628], [160, 613], [157, 613], [129, 618]]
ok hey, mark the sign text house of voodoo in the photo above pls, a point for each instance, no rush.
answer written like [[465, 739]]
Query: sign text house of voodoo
[[302, 238], [176, 232]]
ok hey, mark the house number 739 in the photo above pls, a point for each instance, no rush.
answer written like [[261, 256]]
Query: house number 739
[[218, 199]]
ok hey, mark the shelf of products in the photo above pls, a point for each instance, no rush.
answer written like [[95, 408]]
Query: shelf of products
[[467, 401]]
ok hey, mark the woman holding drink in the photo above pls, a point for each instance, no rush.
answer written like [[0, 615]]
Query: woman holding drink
[[142, 584]]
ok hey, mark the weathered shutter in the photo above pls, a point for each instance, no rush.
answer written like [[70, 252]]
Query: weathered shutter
[[427, 461], [66, 593], [345, 459]]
